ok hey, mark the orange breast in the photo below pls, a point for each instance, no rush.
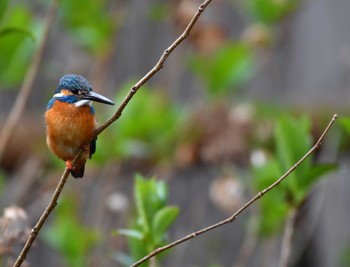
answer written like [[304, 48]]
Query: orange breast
[[68, 128]]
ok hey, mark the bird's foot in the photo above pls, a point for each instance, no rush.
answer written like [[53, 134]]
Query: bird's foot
[[70, 165]]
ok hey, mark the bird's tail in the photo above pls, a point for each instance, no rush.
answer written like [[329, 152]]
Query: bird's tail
[[79, 169]]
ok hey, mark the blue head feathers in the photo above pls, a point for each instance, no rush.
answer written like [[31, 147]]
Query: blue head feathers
[[73, 81], [80, 92]]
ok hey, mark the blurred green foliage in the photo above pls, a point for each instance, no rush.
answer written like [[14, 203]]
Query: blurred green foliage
[[345, 123], [69, 236], [344, 257], [16, 42], [149, 127], [90, 22], [149, 229], [226, 69], [3, 7], [270, 11], [292, 139]]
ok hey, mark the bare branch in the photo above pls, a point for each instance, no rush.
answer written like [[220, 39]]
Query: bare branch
[[287, 238], [156, 68], [42, 219], [244, 207], [27, 85], [116, 116]]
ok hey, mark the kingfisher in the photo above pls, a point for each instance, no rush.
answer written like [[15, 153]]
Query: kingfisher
[[71, 123]]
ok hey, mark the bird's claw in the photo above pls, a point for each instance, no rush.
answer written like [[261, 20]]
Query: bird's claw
[[70, 165]]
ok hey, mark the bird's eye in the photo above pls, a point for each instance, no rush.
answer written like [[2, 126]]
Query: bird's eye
[[76, 91]]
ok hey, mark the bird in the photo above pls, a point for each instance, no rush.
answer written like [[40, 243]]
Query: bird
[[71, 122]]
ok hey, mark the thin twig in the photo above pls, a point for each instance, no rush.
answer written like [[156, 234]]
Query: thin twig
[[250, 202], [116, 116], [42, 219], [287, 238], [156, 68], [27, 85]]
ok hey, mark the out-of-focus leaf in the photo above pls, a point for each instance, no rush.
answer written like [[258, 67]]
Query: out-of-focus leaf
[[17, 30], [130, 233], [92, 26], [293, 140], [3, 7], [15, 49], [141, 194], [273, 205], [162, 192], [149, 130], [226, 69], [314, 174], [274, 209], [162, 220], [270, 11], [153, 217], [345, 123]]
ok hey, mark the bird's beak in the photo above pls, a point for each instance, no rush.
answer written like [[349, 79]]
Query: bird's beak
[[97, 98]]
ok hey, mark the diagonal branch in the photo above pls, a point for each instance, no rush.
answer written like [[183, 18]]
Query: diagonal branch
[[27, 85], [244, 207], [117, 114], [156, 68]]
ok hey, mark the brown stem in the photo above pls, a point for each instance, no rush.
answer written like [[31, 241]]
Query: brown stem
[[116, 116], [244, 207], [287, 238]]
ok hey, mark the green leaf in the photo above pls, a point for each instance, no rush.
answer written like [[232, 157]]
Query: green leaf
[[162, 192], [315, 173], [345, 123], [91, 27], [3, 7], [15, 47], [150, 128], [140, 192], [162, 221], [270, 11], [225, 70], [293, 140], [130, 233], [273, 205], [17, 30]]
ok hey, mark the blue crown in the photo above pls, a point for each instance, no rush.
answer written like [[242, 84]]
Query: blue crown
[[73, 81]]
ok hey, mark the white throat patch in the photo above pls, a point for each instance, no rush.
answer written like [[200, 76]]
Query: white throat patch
[[84, 102]]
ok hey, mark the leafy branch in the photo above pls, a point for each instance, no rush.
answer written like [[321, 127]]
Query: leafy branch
[[234, 216], [117, 114]]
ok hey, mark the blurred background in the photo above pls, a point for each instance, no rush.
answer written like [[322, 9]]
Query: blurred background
[[235, 106]]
